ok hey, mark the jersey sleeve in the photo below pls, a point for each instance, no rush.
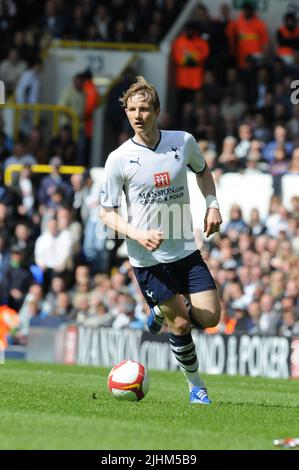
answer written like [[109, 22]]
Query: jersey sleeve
[[195, 159], [111, 189]]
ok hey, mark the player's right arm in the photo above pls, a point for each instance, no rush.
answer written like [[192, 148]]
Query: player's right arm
[[149, 239], [110, 202]]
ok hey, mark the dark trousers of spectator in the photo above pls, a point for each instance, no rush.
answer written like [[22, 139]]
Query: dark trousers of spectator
[[184, 95], [276, 182], [82, 149]]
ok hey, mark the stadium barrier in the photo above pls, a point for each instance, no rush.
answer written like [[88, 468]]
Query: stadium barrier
[[16, 168], [37, 110], [263, 356]]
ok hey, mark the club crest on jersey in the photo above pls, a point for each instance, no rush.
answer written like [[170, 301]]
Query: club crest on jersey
[[176, 155], [162, 179]]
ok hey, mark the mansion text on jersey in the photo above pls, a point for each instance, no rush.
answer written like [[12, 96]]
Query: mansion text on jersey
[[161, 195]]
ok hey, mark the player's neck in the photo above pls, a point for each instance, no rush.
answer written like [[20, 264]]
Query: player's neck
[[149, 139]]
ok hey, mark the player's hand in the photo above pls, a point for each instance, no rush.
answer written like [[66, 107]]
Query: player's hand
[[150, 239], [213, 220]]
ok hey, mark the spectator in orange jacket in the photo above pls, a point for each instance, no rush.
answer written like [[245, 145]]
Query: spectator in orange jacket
[[9, 321], [189, 53], [92, 101], [248, 36], [288, 38]]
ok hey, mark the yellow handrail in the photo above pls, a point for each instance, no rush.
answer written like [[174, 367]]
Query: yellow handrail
[[128, 46], [17, 167], [37, 109]]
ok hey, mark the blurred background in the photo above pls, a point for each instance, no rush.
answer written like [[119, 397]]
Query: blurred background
[[227, 72]]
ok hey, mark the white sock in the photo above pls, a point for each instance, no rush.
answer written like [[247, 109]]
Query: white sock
[[183, 348], [158, 311], [193, 379]]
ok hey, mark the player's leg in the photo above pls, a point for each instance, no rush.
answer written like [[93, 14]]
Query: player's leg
[[199, 288], [181, 342], [205, 308], [160, 285], [157, 285]]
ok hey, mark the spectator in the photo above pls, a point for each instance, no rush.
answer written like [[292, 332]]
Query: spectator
[[102, 22], [23, 240], [294, 164], [268, 321], [189, 53], [92, 101], [53, 250], [65, 222], [63, 306], [248, 36], [95, 236], [4, 256], [28, 87], [82, 286], [126, 314], [278, 167], [24, 187], [64, 146], [98, 315], [289, 325], [57, 286], [256, 226], [28, 92], [233, 106], [51, 183], [11, 70], [245, 136], [288, 38], [31, 307], [36, 145], [236, 221], [16, 279], [51, 24], [20, 156], [280, 140], [73, 97]]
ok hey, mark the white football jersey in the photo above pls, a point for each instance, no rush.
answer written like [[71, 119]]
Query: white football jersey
[[155, 185]]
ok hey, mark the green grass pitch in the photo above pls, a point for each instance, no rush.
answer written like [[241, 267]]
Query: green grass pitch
[[69, 407]]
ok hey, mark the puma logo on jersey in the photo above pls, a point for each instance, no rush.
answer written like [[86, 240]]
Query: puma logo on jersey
[[136, 161]]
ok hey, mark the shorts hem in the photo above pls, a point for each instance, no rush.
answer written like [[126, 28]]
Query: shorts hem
[[212, 287], [162, 301]]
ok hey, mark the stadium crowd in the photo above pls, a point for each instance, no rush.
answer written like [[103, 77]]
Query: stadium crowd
[[54, 258]]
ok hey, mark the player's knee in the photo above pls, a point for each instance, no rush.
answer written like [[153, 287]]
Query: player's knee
[[214, 317], [182, 326], [213, 321]]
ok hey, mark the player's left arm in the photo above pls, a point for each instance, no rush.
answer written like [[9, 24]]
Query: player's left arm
[[196, 162], [213, 218]]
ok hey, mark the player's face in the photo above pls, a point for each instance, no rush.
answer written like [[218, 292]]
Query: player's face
[[141, 114]]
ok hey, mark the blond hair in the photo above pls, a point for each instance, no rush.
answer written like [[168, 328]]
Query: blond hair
[[141, 87]]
